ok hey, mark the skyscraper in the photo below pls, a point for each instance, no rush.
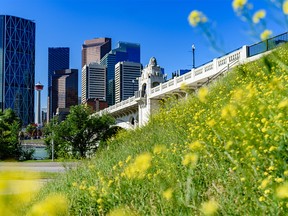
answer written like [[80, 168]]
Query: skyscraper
[[17, 66], [64, 89], [126, 82], [58, 59], [94, 50], [93, 82], [123, 52]]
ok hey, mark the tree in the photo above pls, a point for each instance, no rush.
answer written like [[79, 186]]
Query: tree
[[31, 130], [80, 133], [10, 126]]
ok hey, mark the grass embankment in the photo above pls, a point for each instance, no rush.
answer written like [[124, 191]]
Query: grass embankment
[[222, 151]]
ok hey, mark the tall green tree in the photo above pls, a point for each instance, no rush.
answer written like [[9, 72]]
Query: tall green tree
[[10, 126], [80, 133]]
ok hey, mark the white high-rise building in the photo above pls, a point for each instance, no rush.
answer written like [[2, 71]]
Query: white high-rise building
[[126, 79], [93, 82]]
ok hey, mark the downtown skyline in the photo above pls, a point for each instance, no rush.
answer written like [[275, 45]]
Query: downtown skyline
[[160, 27]]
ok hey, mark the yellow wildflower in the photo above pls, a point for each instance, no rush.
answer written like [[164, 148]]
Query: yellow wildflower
[[122, 211], [279, 180], [264, 183], [272, 148], [258, 15], [196, 17], [267, 191], [209, 208], [262, 199], [286, 173], [196, 146], [283, 104], [285, 7], [167, 194], [238, 4], [228, 112], [120, 163], [52, 205], [158, 149], [128, 159], [202, 94], [282, 191], [211, 123], [138, 169], [190, 159], [265, 34]]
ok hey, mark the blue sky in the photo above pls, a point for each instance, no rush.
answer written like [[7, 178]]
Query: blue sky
[[160, 26]]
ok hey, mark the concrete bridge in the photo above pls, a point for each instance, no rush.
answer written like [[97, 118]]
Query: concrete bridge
[[136, 110]]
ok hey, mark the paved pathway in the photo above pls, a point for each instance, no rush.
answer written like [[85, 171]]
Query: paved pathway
[[37, 166]]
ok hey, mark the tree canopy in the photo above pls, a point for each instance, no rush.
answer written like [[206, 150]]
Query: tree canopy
[[79, 134], [10, 126]]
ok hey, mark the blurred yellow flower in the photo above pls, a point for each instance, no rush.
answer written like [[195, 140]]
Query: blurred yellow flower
[[122, 211], [283, 104], [196, 17], [238, 4], [282, 191], [285, 7], [258, 15], [209, 208], [264, 183], [279, 180], [265, 34], [167, 194], [262, 199], [228, 112], [52, 205], [211, 123], [158, 149], [196, 146], [202, 94], [190, 159], [138, 169]]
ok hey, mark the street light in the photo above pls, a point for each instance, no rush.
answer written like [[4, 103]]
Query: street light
[[193, 55]]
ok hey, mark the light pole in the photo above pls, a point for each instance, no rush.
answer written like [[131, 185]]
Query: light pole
[[193, 55]]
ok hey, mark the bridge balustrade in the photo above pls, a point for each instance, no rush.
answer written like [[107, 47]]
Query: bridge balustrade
[[267, 45], [208, 70]]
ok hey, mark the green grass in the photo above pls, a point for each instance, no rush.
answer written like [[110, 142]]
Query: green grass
[[223, 151]]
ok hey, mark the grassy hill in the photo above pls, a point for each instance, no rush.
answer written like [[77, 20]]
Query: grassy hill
[[222, 151]]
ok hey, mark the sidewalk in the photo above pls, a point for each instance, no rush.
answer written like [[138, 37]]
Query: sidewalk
[[37, 166]]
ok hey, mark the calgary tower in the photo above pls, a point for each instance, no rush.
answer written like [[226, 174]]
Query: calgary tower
[[38, 88]]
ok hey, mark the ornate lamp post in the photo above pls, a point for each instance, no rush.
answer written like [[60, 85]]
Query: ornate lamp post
[[193, 56]]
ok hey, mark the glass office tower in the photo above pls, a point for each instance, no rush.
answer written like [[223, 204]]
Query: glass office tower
[[17, 66], [58, 59], [124, 51]]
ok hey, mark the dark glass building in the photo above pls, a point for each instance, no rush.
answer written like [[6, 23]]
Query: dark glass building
[[58, 59], [64, 89], [124, 51], [17, 66]]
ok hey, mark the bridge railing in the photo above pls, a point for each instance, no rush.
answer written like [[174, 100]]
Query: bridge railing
[[267, 45], [114, 107], [208, 69]]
